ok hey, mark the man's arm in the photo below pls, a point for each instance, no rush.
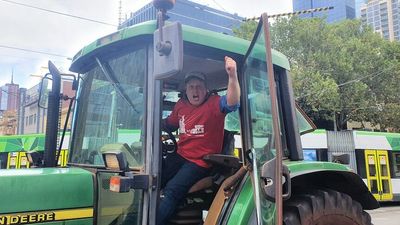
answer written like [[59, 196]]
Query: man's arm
[[165, 126], [233, 92]]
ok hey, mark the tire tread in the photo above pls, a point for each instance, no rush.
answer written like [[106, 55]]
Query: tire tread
[[322, 206]]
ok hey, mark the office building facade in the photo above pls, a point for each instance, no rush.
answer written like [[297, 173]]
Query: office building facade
[[383, 16], [192, 14], [359, 4], [9, 97], [32, 118], [343, 9]]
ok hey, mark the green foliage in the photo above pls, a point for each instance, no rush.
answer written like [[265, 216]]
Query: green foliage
[[246, 30], [342, 70], [318, 94]]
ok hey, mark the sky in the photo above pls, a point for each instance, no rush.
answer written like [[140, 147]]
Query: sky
[[30, 37]]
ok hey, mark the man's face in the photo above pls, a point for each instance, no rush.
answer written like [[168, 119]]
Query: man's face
[[196, 91]]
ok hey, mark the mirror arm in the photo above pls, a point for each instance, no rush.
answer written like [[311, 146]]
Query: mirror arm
[[163, 48], [65, 125]]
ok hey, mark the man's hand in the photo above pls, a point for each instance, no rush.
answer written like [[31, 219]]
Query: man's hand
[[233, 91], [230, 66]]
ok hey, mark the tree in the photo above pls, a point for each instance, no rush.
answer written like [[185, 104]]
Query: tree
[[341, 72], [246, 30]]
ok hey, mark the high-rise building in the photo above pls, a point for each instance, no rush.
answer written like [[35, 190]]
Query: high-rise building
[[9, 96], [383, 16], [343, 9], [359, 3], [190, 13], [21, 111], [9, 105], [3, 99]]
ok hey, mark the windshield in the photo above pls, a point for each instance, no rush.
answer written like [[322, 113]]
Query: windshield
[[110, 113]]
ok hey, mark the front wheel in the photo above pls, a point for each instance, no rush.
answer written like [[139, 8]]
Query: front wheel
[[324, 207]]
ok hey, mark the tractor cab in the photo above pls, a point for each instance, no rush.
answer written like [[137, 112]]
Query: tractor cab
[[127, 86]]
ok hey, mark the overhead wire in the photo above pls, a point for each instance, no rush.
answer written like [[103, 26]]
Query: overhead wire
[[220, 6], [59, 13], [34, 51], [55, 12], [292, 13]]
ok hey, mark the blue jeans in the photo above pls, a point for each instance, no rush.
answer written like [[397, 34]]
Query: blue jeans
[[179, 175]]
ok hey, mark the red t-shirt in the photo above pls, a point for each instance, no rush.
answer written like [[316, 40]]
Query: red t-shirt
[[201, 128]]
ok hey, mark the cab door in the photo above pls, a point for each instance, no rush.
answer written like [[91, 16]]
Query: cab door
[[378, 174], [261, 125]]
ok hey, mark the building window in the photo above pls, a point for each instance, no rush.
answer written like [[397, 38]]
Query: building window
[[396, 162]]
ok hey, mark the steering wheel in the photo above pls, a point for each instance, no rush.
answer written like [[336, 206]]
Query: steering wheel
[[167, 146]]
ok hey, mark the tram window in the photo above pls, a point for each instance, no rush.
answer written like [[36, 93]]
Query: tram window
[[360, 159], [374, 186], [372, 171], [3, 160], [322, 154], [385, 186], [384, 171], [396, 163], [310, 155]]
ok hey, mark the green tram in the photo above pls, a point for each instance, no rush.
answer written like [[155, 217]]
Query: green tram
[[375, 156], [13, 149]]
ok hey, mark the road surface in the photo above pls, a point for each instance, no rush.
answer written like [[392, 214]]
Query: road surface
[[387, 214]]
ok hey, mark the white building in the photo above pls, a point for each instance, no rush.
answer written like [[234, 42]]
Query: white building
[[383, 16], [33, 117]]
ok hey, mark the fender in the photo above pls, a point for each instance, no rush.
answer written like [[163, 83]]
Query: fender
[[306, 174], [46, 194]]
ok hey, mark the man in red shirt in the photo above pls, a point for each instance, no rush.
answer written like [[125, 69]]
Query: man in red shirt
[[200, 119]]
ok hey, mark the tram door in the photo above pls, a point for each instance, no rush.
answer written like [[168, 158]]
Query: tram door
[[378, 174]]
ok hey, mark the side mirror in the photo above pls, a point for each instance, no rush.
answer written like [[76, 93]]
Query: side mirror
[[341, 158], [168, 50], [44, 92]]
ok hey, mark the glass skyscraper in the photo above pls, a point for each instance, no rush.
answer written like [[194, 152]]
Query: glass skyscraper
[[343, 9], [190, 13]]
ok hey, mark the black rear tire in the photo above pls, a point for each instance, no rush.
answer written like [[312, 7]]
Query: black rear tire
[[324, 207]]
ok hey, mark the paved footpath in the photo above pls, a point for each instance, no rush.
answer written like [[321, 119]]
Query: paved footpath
[[387, 214]]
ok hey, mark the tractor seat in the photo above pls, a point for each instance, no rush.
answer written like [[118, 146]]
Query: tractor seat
[[225, 163], [221, 163]]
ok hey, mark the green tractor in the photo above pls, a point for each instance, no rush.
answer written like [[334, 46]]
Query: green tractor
[[128, 82]]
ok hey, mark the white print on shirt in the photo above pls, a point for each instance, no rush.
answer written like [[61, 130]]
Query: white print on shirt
[[198, 129], [182, 129]]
